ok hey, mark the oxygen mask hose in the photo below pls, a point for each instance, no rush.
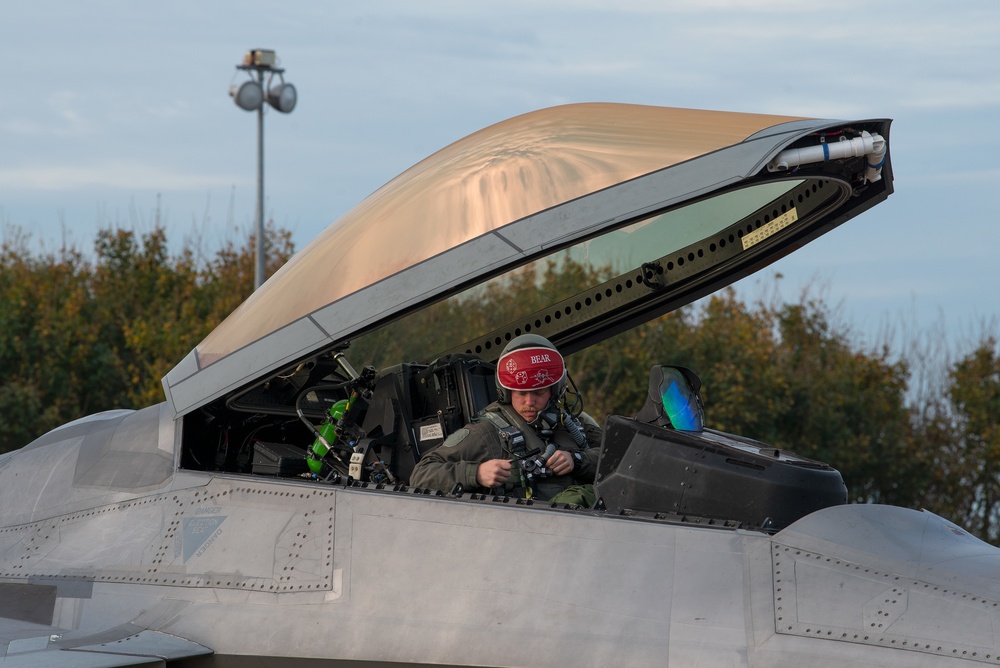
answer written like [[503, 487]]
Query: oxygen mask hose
[[572, 425], [545, 425]]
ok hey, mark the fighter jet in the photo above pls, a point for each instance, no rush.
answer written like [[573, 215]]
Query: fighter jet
[[264, 512]]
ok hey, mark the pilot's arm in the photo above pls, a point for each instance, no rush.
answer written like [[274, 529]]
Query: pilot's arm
[[457, 460]]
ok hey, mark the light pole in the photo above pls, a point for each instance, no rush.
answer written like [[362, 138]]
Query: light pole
[[250, 96]]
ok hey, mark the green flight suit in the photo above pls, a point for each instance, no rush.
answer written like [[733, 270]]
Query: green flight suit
[[457, 459]]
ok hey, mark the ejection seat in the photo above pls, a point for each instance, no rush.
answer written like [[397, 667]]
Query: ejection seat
[[416, 406]]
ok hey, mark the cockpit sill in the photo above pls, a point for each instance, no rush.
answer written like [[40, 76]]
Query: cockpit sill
[[517, 503]]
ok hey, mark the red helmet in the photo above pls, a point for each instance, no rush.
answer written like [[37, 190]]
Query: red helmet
[[530, 362]]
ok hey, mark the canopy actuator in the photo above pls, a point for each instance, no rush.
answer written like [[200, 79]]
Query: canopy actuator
[[867, 144]]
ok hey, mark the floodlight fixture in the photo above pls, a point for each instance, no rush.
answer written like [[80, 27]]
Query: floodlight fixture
[[250, 96], [282, 97]]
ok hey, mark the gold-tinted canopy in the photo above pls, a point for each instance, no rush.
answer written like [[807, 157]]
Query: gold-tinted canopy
[[477, 185]]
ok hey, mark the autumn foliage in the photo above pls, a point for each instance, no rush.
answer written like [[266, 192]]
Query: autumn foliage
[[81, 334]]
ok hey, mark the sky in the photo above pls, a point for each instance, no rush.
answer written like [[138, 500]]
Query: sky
[[117, 114]]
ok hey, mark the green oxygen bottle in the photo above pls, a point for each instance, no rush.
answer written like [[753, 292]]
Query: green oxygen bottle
[[315, 454]]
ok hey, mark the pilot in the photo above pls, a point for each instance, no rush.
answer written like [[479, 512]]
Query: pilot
[[526, 443]]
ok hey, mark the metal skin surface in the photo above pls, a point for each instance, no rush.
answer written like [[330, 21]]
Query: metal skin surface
[[123, 543]]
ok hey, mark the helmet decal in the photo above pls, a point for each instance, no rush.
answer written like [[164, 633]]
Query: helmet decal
[[530, 369]]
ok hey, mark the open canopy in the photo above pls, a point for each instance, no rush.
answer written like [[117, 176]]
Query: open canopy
[[666, 181]]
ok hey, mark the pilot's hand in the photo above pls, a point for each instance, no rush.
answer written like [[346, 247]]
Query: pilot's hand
[[493, 473], [560, 463]]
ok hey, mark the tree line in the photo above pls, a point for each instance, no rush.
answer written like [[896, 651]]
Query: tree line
[[83, 333], [80, 334]]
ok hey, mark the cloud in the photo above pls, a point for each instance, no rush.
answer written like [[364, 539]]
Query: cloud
[[124, 175], [59, 116]]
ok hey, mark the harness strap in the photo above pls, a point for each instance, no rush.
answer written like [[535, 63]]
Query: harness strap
[[514, 442]]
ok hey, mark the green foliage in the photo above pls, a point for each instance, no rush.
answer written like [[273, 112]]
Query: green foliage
[[847, 407], [80, 335], [972, 464], [45, 312]]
